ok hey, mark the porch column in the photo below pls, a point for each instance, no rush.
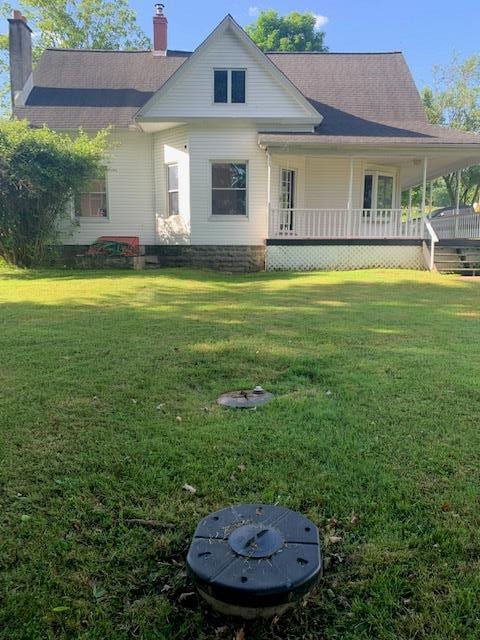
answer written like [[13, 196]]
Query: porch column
[[424, 189], [459, 187], [269, 194], [430, 203], [350, 186], [350, 198], [457, 208]]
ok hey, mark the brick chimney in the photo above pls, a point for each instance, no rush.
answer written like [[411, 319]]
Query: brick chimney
[[160, 31], [20, 49]]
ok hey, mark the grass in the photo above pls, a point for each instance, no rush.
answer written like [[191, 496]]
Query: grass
[[374, 435]]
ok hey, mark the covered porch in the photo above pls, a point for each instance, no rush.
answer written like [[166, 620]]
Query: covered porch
[[317, 195], [346, 203]]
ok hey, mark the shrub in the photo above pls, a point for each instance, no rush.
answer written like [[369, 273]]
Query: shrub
[[40, 172]]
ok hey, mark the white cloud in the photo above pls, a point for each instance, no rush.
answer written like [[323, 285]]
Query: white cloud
[[320, 21], [254, 12]]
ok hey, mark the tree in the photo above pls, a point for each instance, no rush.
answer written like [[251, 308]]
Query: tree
[[40, 173], [455, 102], [293, 32], [74, 24]]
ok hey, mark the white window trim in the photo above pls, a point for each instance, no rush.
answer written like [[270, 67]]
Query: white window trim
[[229, 87], [390, 172], [95, 219], [226, 217], [168, 191]]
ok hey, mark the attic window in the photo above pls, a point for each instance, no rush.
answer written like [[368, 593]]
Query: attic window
[[230, 86]]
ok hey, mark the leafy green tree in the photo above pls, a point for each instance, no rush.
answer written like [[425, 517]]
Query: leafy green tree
[[40, 173], [454, 101], [74, 24], [293, 32]]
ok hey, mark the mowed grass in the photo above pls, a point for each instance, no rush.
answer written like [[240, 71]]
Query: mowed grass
[[374, 434]]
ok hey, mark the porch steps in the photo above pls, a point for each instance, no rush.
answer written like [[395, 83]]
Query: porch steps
[[463, 258]]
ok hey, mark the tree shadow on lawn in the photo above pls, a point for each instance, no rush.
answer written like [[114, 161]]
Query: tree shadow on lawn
[[88, 447]]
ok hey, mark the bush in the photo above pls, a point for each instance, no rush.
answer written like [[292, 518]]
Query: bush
[[40, 172]]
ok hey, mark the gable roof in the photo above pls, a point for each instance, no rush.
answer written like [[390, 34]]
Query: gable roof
[[228, 24], [363, 97]]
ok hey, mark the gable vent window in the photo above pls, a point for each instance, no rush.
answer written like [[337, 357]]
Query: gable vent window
[[230, 86]]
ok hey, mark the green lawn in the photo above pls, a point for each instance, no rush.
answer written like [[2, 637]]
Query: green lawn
[[374, 435]]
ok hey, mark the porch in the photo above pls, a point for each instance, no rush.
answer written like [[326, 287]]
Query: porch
[[353, 211]]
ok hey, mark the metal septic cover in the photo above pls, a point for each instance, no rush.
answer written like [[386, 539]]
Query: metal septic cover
[[245, 399], [255, 555]]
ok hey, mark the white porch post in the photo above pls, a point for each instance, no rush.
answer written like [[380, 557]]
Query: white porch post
[[410, 201], [457, 208], [421, 227], [269, 194], [459, 186], [424, 190], [350, 196], [430, 202], [350, 185]]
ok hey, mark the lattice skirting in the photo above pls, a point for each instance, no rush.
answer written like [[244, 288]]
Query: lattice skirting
[[343, 257]]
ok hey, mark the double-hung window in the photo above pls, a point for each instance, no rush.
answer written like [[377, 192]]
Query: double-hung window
[[229, 188], [230, 86], [172, 190], [92, 202]]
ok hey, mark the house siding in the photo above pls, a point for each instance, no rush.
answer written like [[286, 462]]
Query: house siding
[[130, 192], [328, 182], [235, 142], [191, 95]]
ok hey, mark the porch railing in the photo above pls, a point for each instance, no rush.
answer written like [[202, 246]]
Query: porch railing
[[466, 226], [343, 223]]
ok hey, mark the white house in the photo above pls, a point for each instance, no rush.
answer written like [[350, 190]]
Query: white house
[[233, 158]]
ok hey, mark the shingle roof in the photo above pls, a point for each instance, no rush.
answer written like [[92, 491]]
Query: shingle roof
[[93, 88], [375, 86], [365, 98]]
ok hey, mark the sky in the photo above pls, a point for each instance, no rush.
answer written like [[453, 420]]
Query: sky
[[428, 32]]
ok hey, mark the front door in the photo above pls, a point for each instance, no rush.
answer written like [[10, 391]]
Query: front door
[[378, 194], [288, 184]]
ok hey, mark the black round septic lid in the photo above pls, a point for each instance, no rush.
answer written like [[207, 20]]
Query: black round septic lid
[[255, 555]]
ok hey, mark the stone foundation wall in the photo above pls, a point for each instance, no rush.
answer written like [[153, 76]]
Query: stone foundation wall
[[237, 259]]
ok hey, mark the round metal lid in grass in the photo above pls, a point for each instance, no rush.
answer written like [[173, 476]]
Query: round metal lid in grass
[[245, 399], [255, 560]]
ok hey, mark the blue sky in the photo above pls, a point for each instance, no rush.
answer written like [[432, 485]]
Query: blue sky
[[427, 31]]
